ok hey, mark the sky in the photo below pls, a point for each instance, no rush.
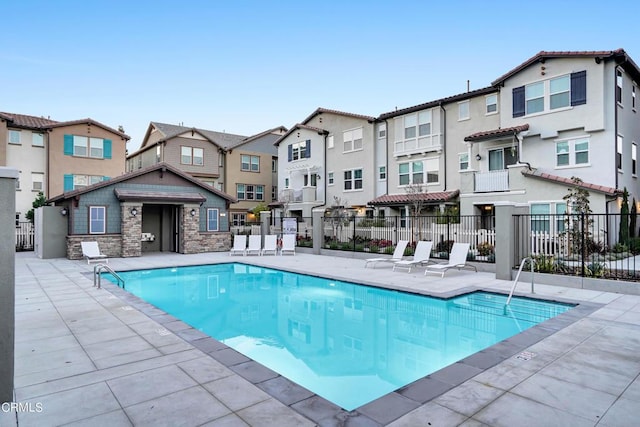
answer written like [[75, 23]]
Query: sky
[[243, 67]]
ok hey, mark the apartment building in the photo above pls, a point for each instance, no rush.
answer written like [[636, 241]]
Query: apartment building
[[55, 157]]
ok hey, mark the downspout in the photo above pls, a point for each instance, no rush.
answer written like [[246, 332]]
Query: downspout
[[615, 126], [519, 150], [444, 142], [324, 168]]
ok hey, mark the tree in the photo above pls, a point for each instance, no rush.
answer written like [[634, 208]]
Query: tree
[[339, 216], [39, 201], [260, 207], [415, 192], [623, 233], [633, 219], [579, 223], [285, 198]]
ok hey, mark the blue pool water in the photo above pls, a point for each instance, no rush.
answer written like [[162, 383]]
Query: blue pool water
[[345, 342]]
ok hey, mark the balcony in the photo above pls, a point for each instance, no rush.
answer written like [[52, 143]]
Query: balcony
[[306, 194], [421, 144], [485, 182]]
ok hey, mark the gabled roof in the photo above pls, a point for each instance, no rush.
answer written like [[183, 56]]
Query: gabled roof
[[619, 55], [438, 102], [496, 133], [27, 122], [259, 135], [535, 173], [403, 199], [321, 110], [127, 176], [301, 126], [89, 122]]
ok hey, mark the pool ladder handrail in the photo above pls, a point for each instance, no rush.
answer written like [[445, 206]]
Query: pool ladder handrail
[[515, 282], [96, 274]]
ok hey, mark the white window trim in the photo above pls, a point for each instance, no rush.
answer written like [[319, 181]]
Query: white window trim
[[385, 173], [14, 132], [37, 145], [572, 152], [620, 150], [40, 175], [330, 141], [487, 113], [547, 96], [217, 213], [353, 179], [634, 147], [468, 116], [331, 178], [466, 153], [621, 85], [104, 222], [353, 149]]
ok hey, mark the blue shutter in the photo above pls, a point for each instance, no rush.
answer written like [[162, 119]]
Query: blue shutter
[[68, 182], [290, 147], [579, 88], [308, 149], [105, 178], [518, 101], [68, 145], [107, 148]]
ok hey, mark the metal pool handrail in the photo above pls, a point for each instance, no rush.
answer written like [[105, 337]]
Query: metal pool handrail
[[515, 282], [96, 274]]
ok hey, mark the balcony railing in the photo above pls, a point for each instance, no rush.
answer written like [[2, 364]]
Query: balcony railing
[[414, 145], [491, 181], [306, 194]]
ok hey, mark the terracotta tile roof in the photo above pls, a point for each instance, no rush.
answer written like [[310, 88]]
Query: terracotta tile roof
[[535, 173], [496, 133], [91, 122], [543, 55], [400, 199], [321, 110], [437, 102], [24, 121]]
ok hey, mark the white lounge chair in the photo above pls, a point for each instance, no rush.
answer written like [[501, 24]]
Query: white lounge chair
[[255, 245], [91, 251], [457, 259], [288, 244], [239, 245], [398, 253], [270, 244], [421, 256]]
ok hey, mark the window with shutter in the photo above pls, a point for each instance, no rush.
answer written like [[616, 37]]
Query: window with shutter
[[518, 101], [579, 88]]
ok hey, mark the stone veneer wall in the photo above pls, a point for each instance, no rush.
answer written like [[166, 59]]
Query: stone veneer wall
[[110, 244], [195, 241], [131, 230]]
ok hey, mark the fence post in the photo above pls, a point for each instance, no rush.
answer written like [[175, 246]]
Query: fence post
[[317, 234], [584, 248], [505, 240], [8, 177], [265, 224]]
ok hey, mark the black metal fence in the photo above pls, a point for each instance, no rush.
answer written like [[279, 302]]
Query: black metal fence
[[380, 234], [587, 245], [24, 236]]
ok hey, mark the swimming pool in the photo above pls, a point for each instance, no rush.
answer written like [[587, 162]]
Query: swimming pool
[[345, 342]]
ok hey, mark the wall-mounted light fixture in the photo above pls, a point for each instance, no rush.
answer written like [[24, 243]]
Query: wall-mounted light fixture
[[64, 211], [193, 212], [134, 211], [478, 157]]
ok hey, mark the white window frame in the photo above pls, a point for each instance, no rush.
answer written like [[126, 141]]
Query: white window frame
[[488, 102], [633, 97], [37, 139], [619, 86], [634, 158], [431, 167], [238, 219], [82, 181], [464, 110], [37, 181], [274, 165], [544, 218], [566, 91], [251, 162], [298, 150], [382, 173], [213, 213], [528, 98], [330, 178], [414, 133], [98, 219], [330, 141], [619, 157], [353, 180], [14, 137], [352, 140], [463, 158], [572, 152], [412, 173]]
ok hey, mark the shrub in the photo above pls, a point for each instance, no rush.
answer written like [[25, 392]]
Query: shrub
[[596, 269], [374, 249], [389, 250], [444, 246], [485, 249], [634, 245]]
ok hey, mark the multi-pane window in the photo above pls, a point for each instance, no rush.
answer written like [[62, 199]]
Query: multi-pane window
[[250, 163], [559, 92], [353, 179], [37, 180], [463, 161], [431, 167], [81, 181], [97, 219], [382, 131], [634, 158], [212, 219], [633, 97], [330, 180], [14, 137], [274, 165], [382, 173], [572, 152], [619, 152], [619, 86], [534, 97], [330, 141], [249, 192], [88, 147], [541, 219], [37, 139], [463, 110], [192, 156], [352, 140], [238, 219], [500, 158], [299, 150], [491, 103], [310, 180], [411, 173]]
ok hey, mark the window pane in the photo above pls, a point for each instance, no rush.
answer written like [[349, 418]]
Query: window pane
[[409, 133], [212, 219], [560, 100], [417, 167], [96, 220], [432, 177], [358, 173], [562, 147], [244, 162], [425, 129], [535, 90], [96, 147], [582, 146], [404, 167], [535, 105], [80, 145], [496, 160], [582, 157], [561, 84], [14, 137], [185, 156], [404, 179], [255, 163], [37, 140], [563, 159], [198, 156]]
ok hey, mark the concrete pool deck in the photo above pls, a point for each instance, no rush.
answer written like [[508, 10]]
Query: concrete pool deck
[[85, 356]]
